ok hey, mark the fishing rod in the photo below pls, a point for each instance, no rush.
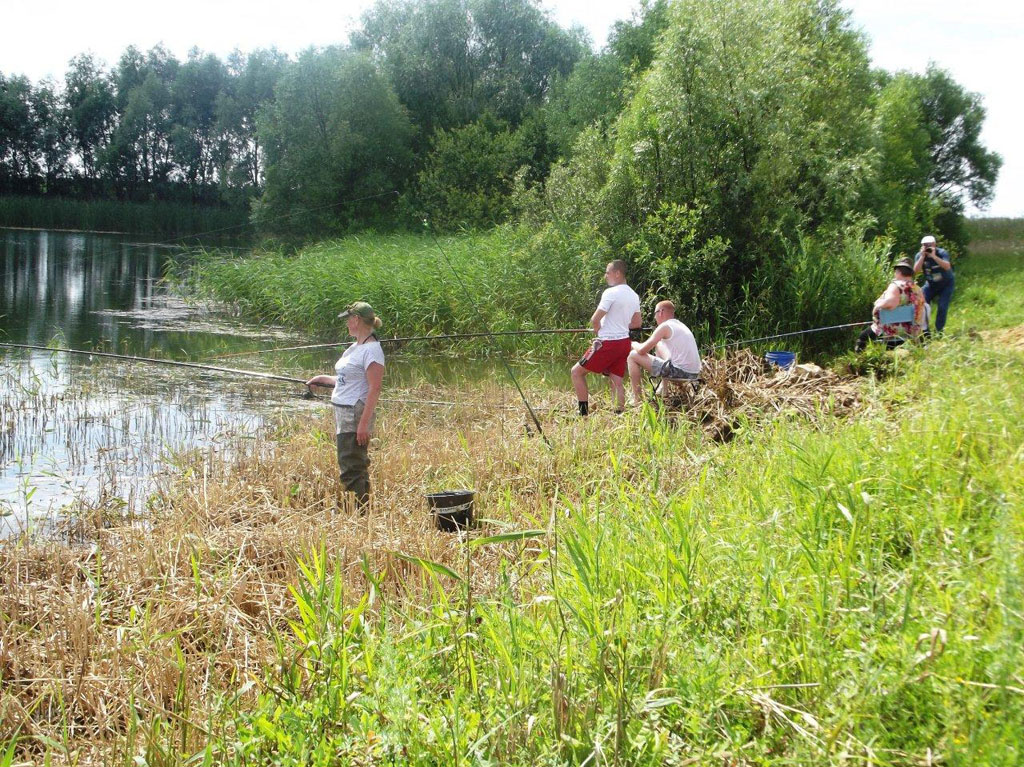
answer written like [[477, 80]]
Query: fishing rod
[[447, 337], [508, 368], [206, 368], [787, 335]]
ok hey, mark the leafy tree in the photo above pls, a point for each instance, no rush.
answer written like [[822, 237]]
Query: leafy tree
[[196, 142], [634, 42], [249, 89], [754, 112], [17, 131], [91, 111], [519, 52], [452, 61], [426, 50], [468, 177], [139, 154], [335, 136], [591, 95], [52, 135], [931, 160], [962, 169]]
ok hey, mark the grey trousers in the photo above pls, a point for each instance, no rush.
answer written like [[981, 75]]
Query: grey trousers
[[354, 467]]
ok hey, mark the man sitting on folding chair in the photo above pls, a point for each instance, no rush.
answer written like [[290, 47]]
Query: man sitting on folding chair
[[676, 357], [899, 313]]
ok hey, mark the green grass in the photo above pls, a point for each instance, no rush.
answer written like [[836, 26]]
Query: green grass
[[850, 592], [163, 218], [847, 595], [990, 280]]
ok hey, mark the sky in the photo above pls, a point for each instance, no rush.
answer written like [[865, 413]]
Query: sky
[[979, 43]]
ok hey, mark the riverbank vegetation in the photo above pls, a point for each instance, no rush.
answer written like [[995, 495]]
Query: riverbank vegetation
[[810, 591], [665, 138], [167, 219], [765, 185], [513, 278]]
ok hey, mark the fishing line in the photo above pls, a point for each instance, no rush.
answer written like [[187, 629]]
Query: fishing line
[[787, 335], [206, 368], [508, 369]]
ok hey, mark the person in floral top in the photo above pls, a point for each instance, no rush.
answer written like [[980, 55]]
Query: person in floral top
[[901, 291]]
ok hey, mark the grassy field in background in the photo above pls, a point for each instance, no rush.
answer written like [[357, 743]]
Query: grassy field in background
[[990, 280]]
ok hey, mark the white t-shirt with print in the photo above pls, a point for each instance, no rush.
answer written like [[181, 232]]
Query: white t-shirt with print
[[352, 385], [620, 302]]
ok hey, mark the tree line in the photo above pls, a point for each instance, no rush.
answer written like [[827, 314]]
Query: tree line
[[748, 121]]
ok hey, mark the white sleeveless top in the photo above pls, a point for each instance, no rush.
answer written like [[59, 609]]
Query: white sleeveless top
[[680, 348]]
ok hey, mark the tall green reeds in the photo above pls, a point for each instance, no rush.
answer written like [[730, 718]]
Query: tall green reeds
[[497, 281], [163, 218]]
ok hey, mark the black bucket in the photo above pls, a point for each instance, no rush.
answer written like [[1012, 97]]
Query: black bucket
[[452, 509]]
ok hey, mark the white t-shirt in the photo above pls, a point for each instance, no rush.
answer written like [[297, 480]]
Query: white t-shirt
[[680, 348], [352, 385], [620, 302]]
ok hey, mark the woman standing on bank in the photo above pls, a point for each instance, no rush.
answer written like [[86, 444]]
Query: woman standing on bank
[[357, 382]]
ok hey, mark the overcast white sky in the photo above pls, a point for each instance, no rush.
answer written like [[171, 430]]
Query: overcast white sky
[[979, 43]]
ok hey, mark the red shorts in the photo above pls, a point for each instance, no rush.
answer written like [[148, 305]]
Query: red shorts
[[607, 357]]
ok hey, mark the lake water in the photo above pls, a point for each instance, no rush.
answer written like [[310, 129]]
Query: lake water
[[95, 429], [88, 427]]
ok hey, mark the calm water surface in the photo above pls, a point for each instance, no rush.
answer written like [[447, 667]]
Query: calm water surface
[[95, 429]]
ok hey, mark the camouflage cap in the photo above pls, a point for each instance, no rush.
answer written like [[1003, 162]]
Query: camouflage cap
[[362, 310]]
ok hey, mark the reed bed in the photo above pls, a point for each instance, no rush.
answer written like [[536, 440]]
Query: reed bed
[[510, 283], [163, 218], [814, 591]]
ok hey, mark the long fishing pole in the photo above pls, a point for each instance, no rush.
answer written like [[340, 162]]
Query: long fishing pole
[[404, 339], [498, 333], [787, 335], [508, 368], [199, 366]]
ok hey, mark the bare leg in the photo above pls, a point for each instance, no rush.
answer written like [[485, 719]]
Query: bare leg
[[637, 363], [579, 382], [618, 391], [634, 378]]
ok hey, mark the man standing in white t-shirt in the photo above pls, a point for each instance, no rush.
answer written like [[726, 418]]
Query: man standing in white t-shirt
[[617, 313], [675, 357]]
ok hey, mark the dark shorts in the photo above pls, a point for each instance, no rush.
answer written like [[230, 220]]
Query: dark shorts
[[665, 369], [607, 357]]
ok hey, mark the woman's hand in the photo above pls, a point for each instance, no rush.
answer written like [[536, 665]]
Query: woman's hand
[[322, 381], [362, 433]]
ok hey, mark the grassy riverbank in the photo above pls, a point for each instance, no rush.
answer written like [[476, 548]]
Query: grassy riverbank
[[837, 591], [817, 590], [160, 218]]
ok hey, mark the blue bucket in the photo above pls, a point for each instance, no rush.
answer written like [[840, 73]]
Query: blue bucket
[[783, 360]]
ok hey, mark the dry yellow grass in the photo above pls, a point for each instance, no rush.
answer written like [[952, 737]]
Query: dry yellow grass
[[1008, 338], [154, 620]]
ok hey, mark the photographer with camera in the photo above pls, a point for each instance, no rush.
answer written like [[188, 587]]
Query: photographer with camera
[[937, 266]]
